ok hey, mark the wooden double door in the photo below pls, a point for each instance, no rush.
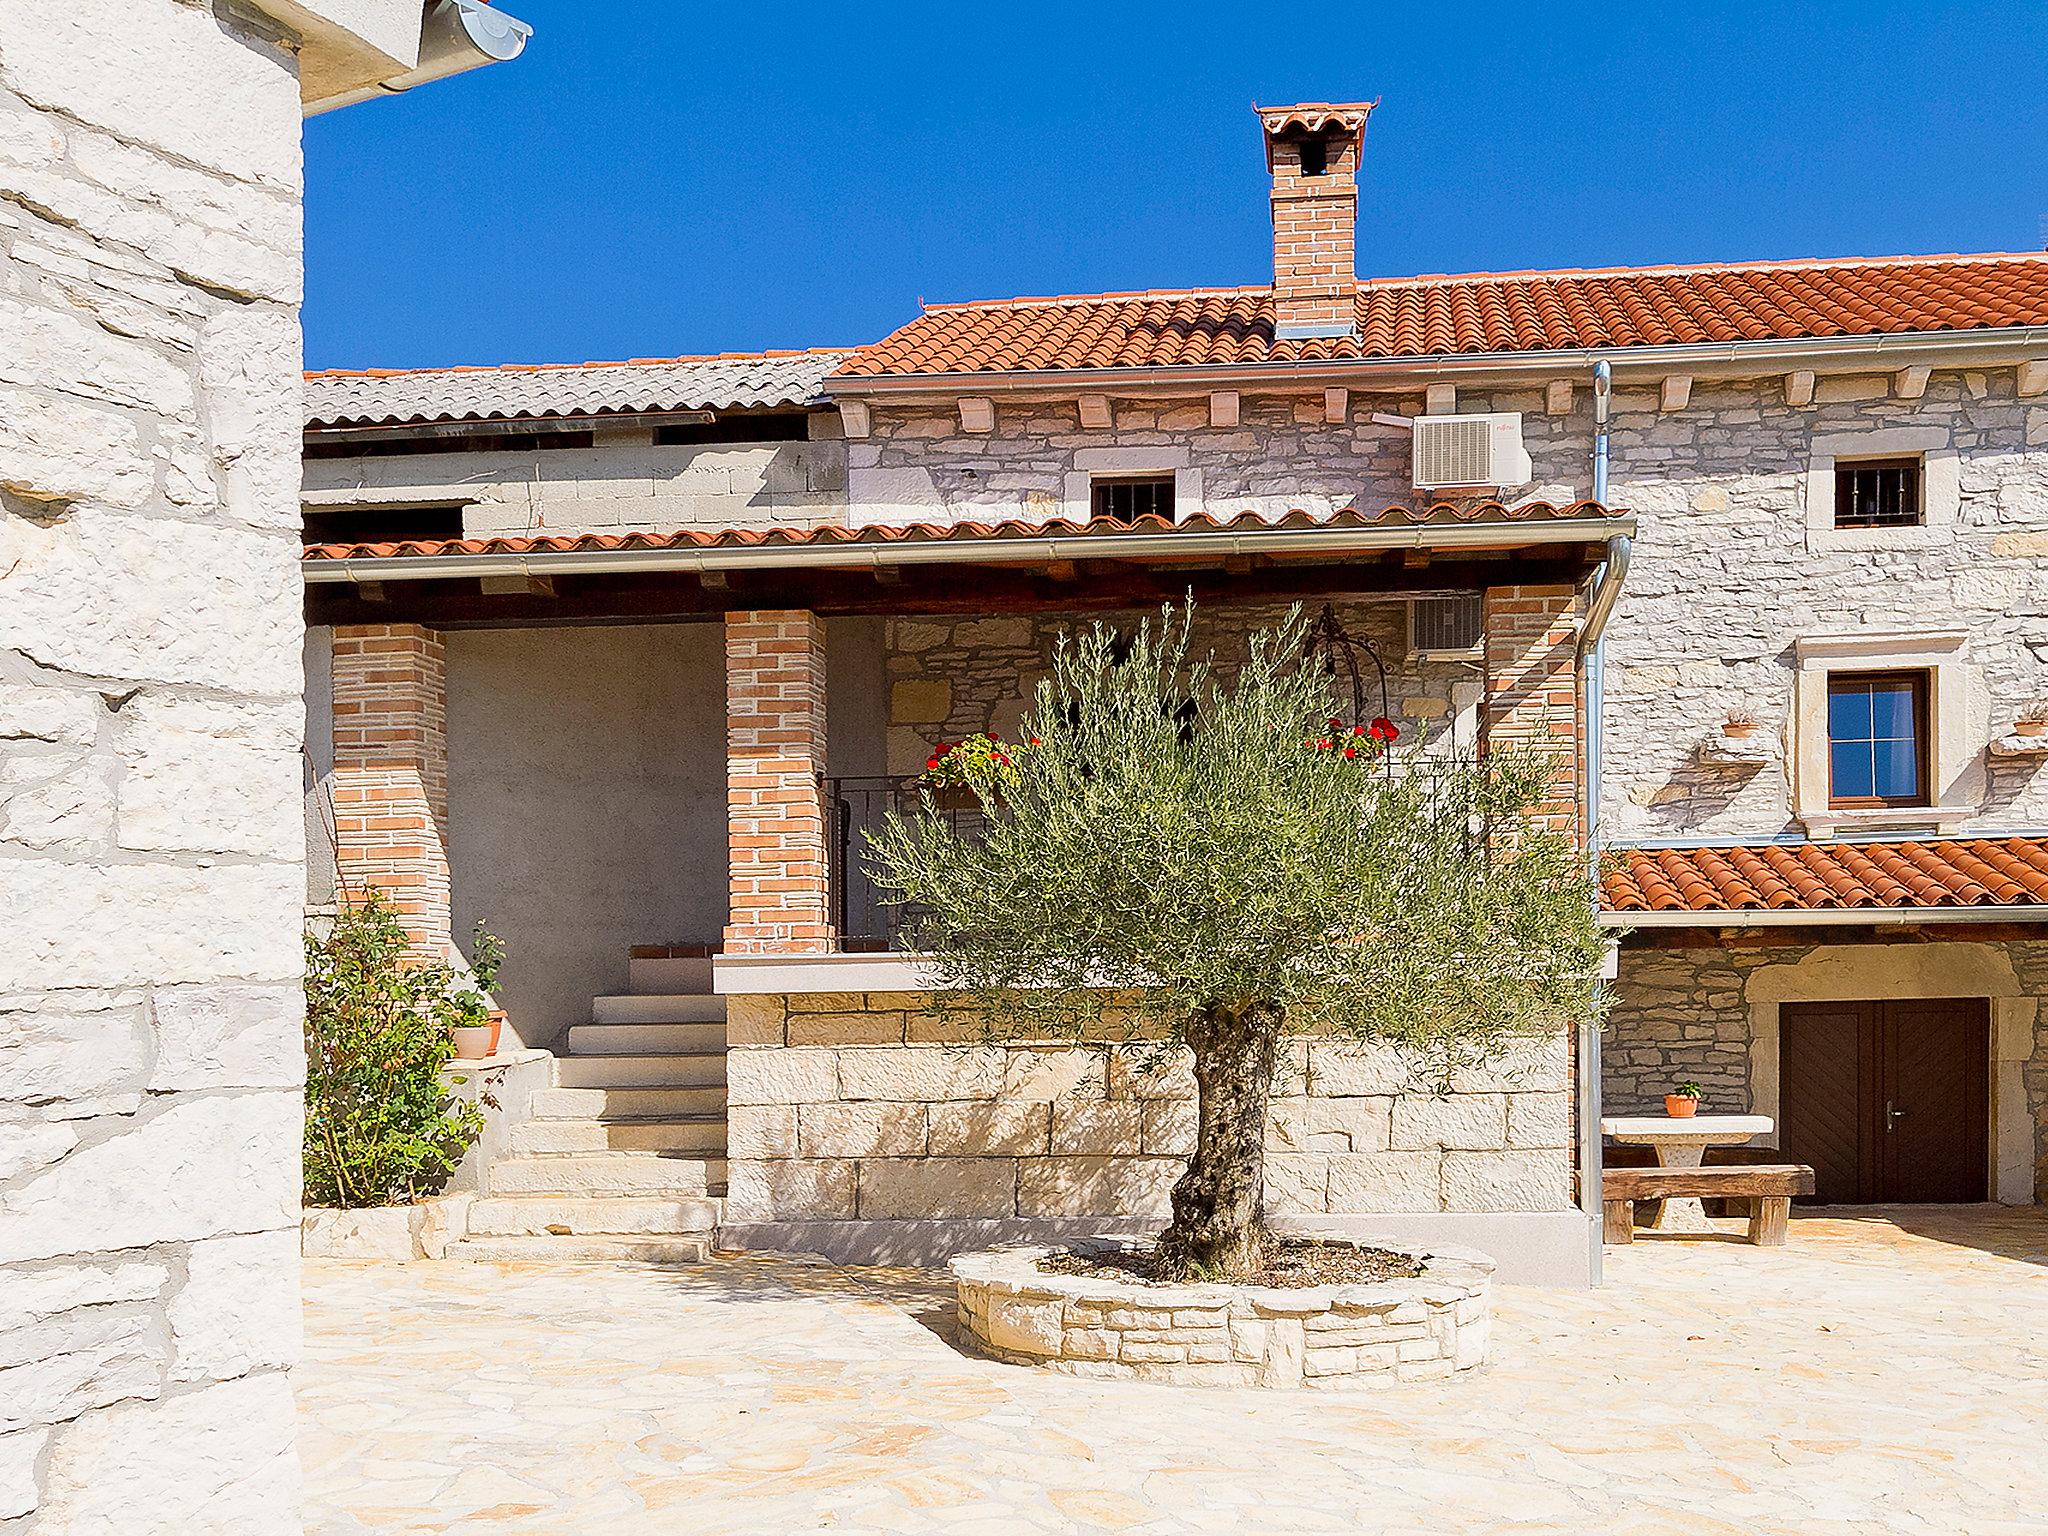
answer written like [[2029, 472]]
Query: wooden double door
[[1888, 1101]]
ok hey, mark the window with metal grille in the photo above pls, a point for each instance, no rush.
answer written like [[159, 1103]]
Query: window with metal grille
[[1127, 500], [1877, 739], [1877, 493]]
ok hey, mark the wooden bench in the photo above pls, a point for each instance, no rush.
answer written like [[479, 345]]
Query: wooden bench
[[1767, 1187]]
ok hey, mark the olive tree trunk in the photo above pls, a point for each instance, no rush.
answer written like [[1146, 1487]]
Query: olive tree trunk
[[1217, 1227]]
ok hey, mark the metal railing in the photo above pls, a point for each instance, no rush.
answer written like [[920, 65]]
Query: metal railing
[[866, 916], [869, 919]]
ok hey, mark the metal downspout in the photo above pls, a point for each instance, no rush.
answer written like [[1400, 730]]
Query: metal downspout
[[1591, 656]]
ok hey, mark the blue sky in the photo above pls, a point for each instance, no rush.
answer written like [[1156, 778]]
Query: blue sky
[[656, 178]]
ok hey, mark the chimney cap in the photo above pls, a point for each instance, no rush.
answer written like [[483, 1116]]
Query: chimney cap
[[1315, 116]]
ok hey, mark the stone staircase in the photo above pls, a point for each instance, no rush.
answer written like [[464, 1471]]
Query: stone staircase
[[625, 1156]]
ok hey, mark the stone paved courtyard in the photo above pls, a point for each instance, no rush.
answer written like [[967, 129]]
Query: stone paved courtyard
[[1885, 1373]]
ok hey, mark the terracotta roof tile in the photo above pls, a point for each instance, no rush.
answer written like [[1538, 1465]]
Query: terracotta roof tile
[[1782, 877], [1439, 514], [1421, 317]]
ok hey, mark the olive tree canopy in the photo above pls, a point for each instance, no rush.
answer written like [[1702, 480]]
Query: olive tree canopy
[[1232, 864]]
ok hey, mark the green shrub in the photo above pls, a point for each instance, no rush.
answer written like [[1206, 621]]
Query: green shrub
[[381, 1129]]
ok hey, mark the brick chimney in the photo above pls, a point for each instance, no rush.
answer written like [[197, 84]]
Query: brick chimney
[[1312, 152]]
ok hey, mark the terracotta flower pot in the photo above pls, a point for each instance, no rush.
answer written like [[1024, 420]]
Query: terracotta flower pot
[[1681, 1106], [1739, 730], [2031, 727], [475, 1042]]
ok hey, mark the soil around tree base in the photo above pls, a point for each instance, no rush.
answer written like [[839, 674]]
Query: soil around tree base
[[1289, 1263]]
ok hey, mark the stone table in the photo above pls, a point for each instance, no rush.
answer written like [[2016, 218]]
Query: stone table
[[1682, 1142]]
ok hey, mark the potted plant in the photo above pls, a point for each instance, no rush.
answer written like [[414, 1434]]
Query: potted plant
[[950, 770], [475, 1025], [2033, 718], [1683, 1102], [1739, 726]]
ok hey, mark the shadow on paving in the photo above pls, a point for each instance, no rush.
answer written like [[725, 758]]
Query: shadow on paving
[[2018, 1232]]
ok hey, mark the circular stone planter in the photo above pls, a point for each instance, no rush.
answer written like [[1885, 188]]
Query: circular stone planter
[[1228, 1335]]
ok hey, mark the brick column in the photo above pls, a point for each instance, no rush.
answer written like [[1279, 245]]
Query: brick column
[[779, 881], [390, 783], [1531, 686]]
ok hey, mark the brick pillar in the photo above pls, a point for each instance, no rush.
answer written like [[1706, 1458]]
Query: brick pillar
[[1532, 687], [779, 865], [390, 783]]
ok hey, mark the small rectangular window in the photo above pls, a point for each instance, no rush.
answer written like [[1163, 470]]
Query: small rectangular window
[[1127, 500], [1877, 493], [1877, 739]]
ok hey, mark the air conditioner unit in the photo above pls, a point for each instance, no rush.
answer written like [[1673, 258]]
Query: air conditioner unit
[[1451, 625], [1470, 452]]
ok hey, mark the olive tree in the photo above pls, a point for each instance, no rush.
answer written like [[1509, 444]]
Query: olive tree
[[1207, 857]]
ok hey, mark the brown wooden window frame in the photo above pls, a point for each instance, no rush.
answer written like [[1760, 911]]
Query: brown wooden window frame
[[1920, 684], [1103, 493], [1912, 470]]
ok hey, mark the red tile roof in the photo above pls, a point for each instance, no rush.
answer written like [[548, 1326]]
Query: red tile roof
[[1441, 514], [1806, 877], [1423, 317]]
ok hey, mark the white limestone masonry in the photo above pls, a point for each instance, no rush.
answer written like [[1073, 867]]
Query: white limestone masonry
[[151, 852]]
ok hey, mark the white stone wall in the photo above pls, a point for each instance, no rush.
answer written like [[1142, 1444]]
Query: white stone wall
[[150, 831], [1724, 582], [875, 1107], [1723, 579], [917, 465]]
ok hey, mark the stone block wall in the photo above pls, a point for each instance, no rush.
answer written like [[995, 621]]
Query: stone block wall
[[875, 1106], [151, 836], [625, 483]]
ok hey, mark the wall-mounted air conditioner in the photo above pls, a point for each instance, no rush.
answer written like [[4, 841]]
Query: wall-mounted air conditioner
[[1452, 625], [1470, 452]]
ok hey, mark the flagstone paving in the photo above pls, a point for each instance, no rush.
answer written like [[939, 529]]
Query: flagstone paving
[[1877, 1374]]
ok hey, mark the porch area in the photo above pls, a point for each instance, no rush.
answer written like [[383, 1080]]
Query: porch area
[[648, 763], [1881, 1373]]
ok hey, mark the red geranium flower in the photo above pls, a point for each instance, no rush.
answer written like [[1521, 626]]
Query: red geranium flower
[[1351, 751], [1384, 729]]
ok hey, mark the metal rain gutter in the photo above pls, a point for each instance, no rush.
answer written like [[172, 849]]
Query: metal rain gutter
[[1007, 551]]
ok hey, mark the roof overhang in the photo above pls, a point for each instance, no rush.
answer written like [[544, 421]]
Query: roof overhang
[[1717, 359], [856, 554], [1837, 917]]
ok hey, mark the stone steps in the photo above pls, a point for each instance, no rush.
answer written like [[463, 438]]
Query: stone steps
[[659, 1008], [685, 1103], [671, 1038], [700, 1135], [693, 1069], [592, 1216], [624, 1157], [677, 1248], [605, 1173]]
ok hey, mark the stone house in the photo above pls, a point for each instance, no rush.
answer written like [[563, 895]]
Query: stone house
[[620, 657]]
